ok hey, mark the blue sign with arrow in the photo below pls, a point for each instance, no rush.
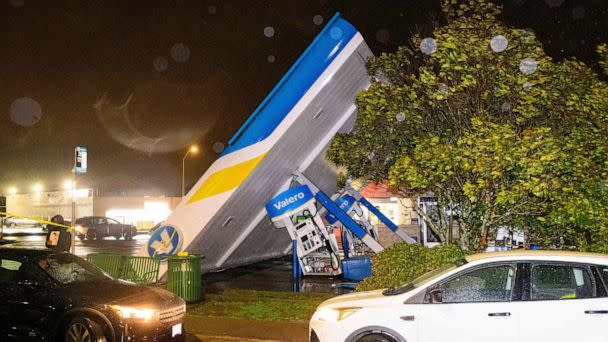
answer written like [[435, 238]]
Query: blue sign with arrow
[[165, 241]]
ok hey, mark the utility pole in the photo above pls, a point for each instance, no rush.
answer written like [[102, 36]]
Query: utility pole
[[193, 149]]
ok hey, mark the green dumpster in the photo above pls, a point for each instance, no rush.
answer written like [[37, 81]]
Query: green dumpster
[[184, 277]]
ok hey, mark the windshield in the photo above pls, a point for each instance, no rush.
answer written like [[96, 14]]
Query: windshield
[[67, 268], [425, 278]]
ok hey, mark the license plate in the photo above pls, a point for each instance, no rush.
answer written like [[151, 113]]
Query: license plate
[[176, 330]]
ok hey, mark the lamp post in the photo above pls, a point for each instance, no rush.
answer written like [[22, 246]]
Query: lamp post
[[193, 149]]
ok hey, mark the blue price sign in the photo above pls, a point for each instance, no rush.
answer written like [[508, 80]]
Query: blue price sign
[[80, 159]]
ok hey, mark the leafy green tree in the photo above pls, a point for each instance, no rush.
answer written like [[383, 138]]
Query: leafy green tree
[[502, 135]]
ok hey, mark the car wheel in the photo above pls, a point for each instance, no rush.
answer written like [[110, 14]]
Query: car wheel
[[128, 236], [13, 225], [117, 236], [84, 329], [92, 236], [376, 337], [81, 237]]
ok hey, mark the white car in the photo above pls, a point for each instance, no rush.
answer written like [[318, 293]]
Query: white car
[[517, 296]]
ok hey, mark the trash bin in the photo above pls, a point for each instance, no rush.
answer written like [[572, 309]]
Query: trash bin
[[184, 277]]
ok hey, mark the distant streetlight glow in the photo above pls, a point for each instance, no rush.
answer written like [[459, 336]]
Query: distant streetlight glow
[[12, 190], [37, 187], [192, 150], [68, 184]]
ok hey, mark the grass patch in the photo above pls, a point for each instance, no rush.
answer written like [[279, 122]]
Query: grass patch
[[259, 305]]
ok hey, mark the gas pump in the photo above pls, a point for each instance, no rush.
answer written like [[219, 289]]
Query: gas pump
[[353, 247], [296, 210]]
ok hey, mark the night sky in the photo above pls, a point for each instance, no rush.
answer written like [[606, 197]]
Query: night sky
[[138, 81]]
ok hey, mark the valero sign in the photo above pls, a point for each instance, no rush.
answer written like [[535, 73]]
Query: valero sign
[[288, 200]]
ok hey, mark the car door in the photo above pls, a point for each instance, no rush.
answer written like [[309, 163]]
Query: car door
[[23, 300], [563, 304], [115, 227], [475, 305], [103, 227]]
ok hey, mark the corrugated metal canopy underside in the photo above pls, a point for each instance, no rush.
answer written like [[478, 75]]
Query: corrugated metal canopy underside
[[321, 118]]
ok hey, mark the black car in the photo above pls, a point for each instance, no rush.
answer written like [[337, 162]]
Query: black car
[[98, 227], [50, 296]]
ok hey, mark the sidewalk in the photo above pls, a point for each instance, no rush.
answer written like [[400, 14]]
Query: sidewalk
[[208, 329]]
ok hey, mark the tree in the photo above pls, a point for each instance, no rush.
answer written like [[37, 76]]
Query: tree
[[496, 130]]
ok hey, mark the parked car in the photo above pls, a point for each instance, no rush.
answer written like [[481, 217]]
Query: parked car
[[98, 227], [14, 222], [48, 296], [505, 296]]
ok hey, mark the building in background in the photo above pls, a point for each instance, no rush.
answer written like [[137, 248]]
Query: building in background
[[400, 210], [141, 211]]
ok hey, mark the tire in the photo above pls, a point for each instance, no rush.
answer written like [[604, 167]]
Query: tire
[[376, 337], [128, 236], [84, 329], [81, 237], [92, 236], [13, 225], [117, 236]]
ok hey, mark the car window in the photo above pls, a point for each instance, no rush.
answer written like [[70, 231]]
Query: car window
[[604, 273], [67, 268], [488, 284], [100, 220], [558, 282], [112, 221], [10, 271]]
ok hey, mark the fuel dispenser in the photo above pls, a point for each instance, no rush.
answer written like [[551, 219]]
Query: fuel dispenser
[[352, 208], [317, 250]]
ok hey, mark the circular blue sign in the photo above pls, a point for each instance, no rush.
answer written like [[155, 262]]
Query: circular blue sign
[[165, 241]]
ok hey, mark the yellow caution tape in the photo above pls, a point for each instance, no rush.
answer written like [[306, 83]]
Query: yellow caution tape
[[37, 220]]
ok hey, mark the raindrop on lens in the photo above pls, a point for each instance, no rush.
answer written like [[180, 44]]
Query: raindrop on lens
[[180, 53], [271, 59], [25, 111], [554, 3], [371, 155], [578, 13], [269, 31], [499, 43], [527, 86], [317, 19], [336, 33], [506, 107], [160, 64], [428, 46], [443, 88], [212, 9], [528, 66], [218, 147], [17, 3], [383, 36], [400, 116]]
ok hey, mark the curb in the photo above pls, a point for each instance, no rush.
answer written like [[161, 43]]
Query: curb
[[294, 331]]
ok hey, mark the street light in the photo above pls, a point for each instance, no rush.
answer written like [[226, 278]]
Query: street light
[[68, 185], [192, 150], [37, 187], [12, 191]]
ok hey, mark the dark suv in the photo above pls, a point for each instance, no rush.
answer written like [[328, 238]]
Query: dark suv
[[98, 227], [48, 296]]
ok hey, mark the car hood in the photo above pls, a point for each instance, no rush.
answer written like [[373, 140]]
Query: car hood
[[358, 299], [121, 293]]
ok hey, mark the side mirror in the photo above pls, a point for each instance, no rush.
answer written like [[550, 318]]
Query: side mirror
[[434, 296]]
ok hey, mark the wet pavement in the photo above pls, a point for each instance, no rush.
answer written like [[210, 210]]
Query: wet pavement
[[83, 248], [272, 275]]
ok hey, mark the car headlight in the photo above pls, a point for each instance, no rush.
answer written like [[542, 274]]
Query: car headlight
[[140, 314], [334, 315], [79, 228]]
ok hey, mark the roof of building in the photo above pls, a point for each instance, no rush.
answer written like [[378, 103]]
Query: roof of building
[[377, 190]]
